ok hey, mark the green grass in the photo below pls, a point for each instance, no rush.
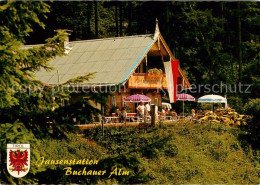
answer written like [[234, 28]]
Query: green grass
[[205, 155], [180, 153]]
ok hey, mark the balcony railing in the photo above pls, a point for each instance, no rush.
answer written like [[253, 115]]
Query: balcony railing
[[147, 81]]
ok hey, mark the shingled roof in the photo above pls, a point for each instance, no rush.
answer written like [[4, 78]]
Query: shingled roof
[[113, 60]]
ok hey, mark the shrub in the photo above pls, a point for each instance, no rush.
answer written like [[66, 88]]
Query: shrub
[[181, 153], [252, 108], [236, 103], [171, 150]]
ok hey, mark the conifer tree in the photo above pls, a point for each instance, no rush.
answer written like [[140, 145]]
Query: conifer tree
[[25, 103]]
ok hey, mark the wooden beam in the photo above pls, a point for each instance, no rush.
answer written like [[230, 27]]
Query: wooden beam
[[172, 56]]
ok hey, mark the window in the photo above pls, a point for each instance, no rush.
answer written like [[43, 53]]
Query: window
[[137, 69], [113, 101], [124, 104], [156, 101]]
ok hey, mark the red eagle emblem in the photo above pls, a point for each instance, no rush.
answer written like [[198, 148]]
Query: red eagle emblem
[[18, 160]]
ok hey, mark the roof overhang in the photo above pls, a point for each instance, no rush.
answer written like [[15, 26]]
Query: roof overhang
[[159, 38]]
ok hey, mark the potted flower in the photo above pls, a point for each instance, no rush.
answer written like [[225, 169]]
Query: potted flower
[[155, 73]]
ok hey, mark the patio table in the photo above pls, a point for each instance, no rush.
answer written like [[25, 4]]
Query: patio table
[[111, 119]]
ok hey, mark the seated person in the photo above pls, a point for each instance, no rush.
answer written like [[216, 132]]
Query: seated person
[[123, 115], [199, 114], [168, 112], [164, 111], [174, 114], [118, 114], [193, 114]]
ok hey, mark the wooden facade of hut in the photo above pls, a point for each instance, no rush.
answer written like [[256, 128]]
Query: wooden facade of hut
[[122, 62]]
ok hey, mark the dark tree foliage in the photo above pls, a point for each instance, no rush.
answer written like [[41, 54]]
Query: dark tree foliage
[[215, 42], [26, 105], [204, 36]]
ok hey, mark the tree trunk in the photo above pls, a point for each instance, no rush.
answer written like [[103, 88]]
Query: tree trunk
[[116, 16], [222, 14], [121, 18], [167, 19], [89, 13], [239, 43], [130, 10], [96, 19]]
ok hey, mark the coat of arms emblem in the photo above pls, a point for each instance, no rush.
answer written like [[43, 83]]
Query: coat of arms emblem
[[18, 159]]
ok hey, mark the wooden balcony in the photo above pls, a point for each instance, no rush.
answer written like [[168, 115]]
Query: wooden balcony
[[147, 81]]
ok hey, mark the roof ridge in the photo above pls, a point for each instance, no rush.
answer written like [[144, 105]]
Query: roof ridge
[[91, 40], [111, 38]]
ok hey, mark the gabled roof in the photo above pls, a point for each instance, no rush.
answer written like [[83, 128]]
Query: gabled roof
[[113, 60], [186, 83]]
